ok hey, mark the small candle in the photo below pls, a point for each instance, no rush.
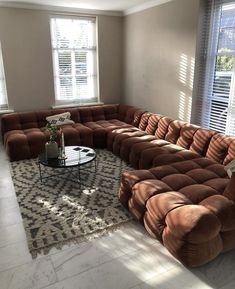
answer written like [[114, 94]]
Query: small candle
[[62, 141]]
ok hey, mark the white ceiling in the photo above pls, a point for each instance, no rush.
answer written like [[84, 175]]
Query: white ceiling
[[111, 5]]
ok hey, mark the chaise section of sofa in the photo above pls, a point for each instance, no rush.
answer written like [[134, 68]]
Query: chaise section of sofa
[[183, 205]]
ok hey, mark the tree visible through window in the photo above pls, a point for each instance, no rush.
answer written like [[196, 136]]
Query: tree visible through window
[[74, 59]]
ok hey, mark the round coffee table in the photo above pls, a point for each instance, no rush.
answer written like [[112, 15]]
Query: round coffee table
[[76, 156]]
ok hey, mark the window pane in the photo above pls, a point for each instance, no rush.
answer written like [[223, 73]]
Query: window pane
[[223, 76], [81, 62], [81, 31], [66, 88], [81, 87], [65, 62], [74, 58], [227, 29], [62, 33]]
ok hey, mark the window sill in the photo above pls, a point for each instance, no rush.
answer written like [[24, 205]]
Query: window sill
[[76, 105], [3, 111]]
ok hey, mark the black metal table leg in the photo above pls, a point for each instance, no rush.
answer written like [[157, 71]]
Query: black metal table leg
[[40, 171]]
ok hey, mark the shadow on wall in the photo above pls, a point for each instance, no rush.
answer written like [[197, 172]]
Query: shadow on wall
[[186, 75]]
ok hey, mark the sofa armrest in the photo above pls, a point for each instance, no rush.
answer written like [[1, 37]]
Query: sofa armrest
[[192, 235]]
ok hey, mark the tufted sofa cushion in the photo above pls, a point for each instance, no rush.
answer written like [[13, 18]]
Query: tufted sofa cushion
[[144, 150], [182, 205], [24, 133], [166, 141]]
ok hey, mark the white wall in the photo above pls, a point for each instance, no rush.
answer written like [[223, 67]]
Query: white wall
[[26, 46], [146, 59], [159, 54]]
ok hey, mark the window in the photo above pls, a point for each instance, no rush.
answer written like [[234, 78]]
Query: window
[[3, 90], [74, 60], [215, 107]]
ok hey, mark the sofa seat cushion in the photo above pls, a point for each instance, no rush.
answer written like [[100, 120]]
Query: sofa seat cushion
[[25, 143], [147, 154], [128, 142], [167, 154], [137, 148], [121, 139], [112, 124], [28, 143], [125, 132], [100, 129], [77, 134]]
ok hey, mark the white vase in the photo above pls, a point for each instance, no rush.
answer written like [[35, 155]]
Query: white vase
[[51, 148]]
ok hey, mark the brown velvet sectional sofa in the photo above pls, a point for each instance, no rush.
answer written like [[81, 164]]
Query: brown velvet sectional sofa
[[179, 190]]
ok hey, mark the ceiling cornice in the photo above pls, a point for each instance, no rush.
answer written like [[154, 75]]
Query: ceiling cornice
[[135, 9], [60, 9], [144, 6]]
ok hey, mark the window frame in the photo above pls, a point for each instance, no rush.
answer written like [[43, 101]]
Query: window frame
[[75, 101], [207, 88], [3, 106]]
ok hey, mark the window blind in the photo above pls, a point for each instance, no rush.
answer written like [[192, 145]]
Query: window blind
[[215, 71], [74, 59], [3, 90]]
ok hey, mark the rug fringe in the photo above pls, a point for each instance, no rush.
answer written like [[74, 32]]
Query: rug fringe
[[79, 239]]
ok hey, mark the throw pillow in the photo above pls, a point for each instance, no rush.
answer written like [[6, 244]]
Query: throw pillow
[[229, 190], [60, 119]]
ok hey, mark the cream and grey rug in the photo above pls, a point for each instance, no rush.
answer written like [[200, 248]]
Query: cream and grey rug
[[59, 210]]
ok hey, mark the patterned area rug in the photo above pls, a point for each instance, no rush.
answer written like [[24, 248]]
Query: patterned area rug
[[59, 210]]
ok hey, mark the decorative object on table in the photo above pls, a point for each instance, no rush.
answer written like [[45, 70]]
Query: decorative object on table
[[58, 212], [76, 157], [51, 147], [62, 155]]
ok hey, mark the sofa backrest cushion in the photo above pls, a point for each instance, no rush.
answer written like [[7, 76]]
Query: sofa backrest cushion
[[110, 111], [231, 153], [201, 141], [123, 111], [85, 114], [97, 113], [144, 121], [152, 124], [126, 113], [186, 135], [218, 149], [138, 117], [10, 121], [28, 120], [174, 130], [162, 127], [129, 114], [41, 117]]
